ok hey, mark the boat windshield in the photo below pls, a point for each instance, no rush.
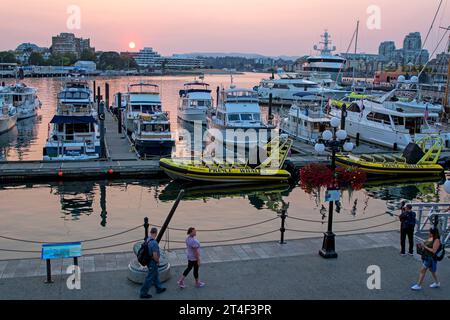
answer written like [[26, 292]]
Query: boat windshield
[[156, 128], [146, 108], [200, 103], [244, 117], [73, 95]]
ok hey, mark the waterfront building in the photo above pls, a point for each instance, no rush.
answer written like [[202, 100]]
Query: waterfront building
[[148, 58], [86, 65], [67, 43]]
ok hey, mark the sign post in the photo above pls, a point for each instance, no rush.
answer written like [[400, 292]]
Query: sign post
[[72, 250]]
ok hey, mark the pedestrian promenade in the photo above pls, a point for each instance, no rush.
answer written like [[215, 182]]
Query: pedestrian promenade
[[250, 271]]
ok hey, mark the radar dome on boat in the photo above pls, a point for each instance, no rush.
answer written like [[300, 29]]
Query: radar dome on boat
[[401, 78], [414, 79]]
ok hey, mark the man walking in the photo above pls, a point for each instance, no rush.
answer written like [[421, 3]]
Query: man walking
[[408, 222], [152, 277]]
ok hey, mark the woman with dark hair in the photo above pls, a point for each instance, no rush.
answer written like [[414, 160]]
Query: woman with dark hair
[[193, 256], [429, 249]]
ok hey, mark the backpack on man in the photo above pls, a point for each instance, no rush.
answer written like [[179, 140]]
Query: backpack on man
[[143, 256]]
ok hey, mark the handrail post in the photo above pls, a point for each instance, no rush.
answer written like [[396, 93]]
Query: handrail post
[[283, 217]]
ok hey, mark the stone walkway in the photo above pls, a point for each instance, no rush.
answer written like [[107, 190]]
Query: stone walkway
[[264, 271], [243, 252]]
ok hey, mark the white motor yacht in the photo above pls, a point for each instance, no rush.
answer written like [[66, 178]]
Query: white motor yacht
[[24, 99], [73, 132], [195, 100]]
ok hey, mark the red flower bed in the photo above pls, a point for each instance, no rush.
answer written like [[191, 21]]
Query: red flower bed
[[315, 176]]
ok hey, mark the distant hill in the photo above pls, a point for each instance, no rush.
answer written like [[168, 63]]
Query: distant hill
[[238, 54]]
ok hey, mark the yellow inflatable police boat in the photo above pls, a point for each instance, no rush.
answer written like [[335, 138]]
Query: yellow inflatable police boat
[[418, 159], [210, 170]]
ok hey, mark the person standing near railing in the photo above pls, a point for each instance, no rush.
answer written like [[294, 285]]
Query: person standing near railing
[[408, 222], [193, 255]]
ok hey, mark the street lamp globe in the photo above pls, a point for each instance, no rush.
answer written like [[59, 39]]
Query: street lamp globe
[[348, 146], [327, 135], [335, 122], [447, 186], [319, 147], [341, 134]]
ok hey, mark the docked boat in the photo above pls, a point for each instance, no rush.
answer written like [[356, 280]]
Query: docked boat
[[24, 99], [418, 159], [394, 128], [73, 131], [195, 100], [349, 99], [237, 120], [141, 98], [8, 114], [217, 170], [306, 121], [326, 62], [407, 97], [152, 136], [291, 87]]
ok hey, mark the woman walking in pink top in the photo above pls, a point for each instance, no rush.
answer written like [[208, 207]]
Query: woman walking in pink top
[[193, 256]]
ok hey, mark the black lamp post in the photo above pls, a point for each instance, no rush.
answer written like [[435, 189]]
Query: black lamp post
[[333, 141]]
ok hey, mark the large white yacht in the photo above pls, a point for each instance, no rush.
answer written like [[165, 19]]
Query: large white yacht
[[326, 62], [374, 123], [8, 114], [195, 100], [291, 87], [25, 100], [141, 98], [239, 120], [73, 132]]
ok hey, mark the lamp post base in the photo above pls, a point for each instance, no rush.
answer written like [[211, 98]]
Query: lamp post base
[[328, 246]]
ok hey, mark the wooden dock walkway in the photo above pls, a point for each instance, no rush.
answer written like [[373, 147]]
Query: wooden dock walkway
[[118, 145]]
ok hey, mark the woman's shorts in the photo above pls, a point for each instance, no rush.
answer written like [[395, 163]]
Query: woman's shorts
[[429, 263]]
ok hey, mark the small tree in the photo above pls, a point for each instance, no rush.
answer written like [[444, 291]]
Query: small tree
[[36, 59]]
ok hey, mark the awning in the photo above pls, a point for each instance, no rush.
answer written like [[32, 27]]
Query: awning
[[73, 119]]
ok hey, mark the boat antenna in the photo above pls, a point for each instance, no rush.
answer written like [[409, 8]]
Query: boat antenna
[[447, 29], [429, 32], [348, 49]]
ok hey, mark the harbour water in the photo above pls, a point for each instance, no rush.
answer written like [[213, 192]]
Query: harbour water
[[76, 211]]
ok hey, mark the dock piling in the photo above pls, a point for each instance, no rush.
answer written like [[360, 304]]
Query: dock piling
[[270, 108], [107, 95], [94, 89], [119, 113]]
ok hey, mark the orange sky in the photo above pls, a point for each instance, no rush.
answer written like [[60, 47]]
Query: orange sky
[[271, 27]]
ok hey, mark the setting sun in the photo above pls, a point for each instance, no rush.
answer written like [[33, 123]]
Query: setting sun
[[132, 45]]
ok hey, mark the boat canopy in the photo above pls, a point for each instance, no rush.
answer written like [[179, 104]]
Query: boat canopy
[[73, 120]]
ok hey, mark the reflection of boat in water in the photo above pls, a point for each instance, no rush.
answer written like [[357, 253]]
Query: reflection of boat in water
[[76, 198], [260, 196], [404, 189], [219, 190]]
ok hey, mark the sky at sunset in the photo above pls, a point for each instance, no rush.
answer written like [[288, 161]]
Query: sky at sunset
[[270, 27]]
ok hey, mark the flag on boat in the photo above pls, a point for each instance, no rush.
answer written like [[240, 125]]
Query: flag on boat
[[426, 112]]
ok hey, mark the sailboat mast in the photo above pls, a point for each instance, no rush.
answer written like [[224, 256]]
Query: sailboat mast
[[447, 89], [356, 50]]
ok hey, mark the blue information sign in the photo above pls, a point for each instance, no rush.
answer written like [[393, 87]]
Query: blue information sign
[[61, 251]]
